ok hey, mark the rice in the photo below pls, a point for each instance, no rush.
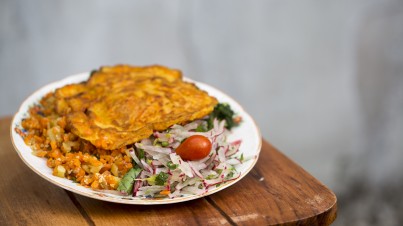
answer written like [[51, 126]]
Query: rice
[[49, 136]]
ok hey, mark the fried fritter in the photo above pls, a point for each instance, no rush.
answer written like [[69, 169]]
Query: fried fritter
[[120, 105]]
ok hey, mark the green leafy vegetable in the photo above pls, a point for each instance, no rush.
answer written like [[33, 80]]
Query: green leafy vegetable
[[126, 183], [222, 111], [171, 165], [229, 175], [158, 179], [201, 128], [141, 154], [161, 178]]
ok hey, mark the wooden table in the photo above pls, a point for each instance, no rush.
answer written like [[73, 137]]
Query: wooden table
[[275, 192]]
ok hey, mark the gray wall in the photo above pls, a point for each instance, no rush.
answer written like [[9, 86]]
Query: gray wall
[[323, 79]]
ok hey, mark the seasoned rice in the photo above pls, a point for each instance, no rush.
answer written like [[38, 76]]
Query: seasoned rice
[[71, 157]]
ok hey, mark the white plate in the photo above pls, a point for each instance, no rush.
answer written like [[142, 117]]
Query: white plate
[[248, 132]]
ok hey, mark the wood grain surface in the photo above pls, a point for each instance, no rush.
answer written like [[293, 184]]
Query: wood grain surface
[[275, 192], [26, 198]]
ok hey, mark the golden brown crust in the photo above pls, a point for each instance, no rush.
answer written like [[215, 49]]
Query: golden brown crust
[[122, 104]]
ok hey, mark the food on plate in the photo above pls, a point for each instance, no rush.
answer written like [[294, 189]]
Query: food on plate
[[142, 131], [194, 147], [161, 171], [121, 105]]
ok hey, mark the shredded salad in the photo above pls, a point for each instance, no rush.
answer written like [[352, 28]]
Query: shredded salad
[[161, 172]]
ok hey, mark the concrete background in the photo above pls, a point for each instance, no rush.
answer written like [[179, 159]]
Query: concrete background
[[323, 79]]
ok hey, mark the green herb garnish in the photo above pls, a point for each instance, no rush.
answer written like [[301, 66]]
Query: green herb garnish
[[141, 153], [229, 175], [171, 165], [222, 111], [201, 128], [159, 179]]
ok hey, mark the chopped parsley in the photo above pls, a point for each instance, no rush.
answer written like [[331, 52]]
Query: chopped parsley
[[158, 179], [171, 165], [222, 111], [161, 178]]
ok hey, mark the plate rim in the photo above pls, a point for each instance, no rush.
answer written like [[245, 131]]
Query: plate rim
[[103, 196]]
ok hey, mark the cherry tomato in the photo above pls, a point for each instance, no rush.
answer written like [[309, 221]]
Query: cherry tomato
[[194, 147]]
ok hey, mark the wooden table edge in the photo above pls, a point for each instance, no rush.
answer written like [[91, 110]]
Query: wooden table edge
[[328, 216]]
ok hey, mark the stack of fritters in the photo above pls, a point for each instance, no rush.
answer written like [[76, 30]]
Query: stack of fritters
[[120, 105]]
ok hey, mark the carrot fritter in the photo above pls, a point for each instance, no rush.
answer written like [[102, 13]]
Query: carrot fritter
[[122, 104]]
